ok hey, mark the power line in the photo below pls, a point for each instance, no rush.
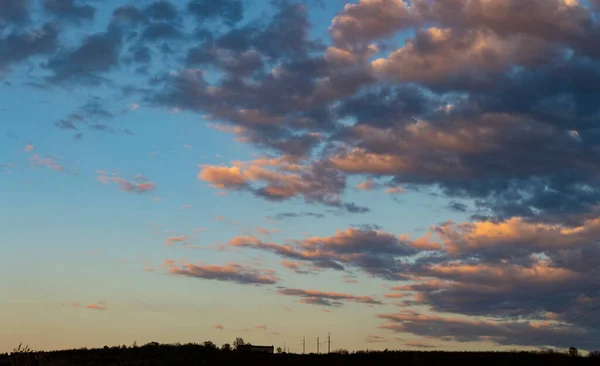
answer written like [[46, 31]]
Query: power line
[[571, 303], [551, 331]]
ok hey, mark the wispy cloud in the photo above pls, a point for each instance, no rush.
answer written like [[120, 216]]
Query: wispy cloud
[[139, 184], [232, 272], [327, 298]]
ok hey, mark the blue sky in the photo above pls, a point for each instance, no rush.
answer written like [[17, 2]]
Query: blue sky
[[373, 169]]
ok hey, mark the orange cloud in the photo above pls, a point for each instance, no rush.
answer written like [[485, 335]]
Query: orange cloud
[[395, 190], [512, 234], [224, 177], [219, 326], [367, 185], [358, 161], [263, 231], [175, 239], [101, 305]]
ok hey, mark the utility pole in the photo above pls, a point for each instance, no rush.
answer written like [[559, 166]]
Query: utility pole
[[328, 342], [303, 345], [317, 345]]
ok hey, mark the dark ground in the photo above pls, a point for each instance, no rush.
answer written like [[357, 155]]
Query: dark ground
[[200, 355]]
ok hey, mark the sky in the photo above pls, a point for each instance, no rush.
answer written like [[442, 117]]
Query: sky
[[400, 174]]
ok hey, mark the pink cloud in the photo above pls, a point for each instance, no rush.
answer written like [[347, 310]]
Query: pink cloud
[[29, 148], [367, 185], [263, 231], [140, 184], [49, 163], [395, 190], [175, 239]]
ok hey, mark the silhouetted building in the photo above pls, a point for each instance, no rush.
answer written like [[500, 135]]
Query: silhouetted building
[[255, 349]]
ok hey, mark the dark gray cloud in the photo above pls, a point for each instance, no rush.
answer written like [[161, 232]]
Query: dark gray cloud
[[458, 207], [162, 10], [229, 11], [93, 114], [505, 333], [290, 215], [14, 11], [353, 208], [160, 31], [19, 46], [86, 63], [323, 298], [69, 10], [377, 253], [129, 15]]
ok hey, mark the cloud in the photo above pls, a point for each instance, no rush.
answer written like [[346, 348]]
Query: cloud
[[375, 339], [327, 298], [101, 305], [263, 327], [29, 148], [315, 183], [69, 10], [15, 11], [514, 238], [395, 190], [376, 252], [289, 215], [97, 54], [162, 10], [224, 177], [50, 163], [20, 45], [219, 327], [229, 11], [501, 332], [367, 185], [266, 232], [298, 267], [420, 345], [369, 20], [175, 239], [140, 184], [458, 207], [348, 279], [232, 272]]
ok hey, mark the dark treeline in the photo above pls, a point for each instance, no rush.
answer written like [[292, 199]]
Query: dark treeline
[[209, 354]]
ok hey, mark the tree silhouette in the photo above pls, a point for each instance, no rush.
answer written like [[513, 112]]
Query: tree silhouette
[[210, 345], [239, 341], [226, 347], [573, 351]]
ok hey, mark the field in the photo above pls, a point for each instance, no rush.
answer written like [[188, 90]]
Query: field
[[195, 354]]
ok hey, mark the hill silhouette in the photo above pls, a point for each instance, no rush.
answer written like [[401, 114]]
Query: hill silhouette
[[208, 353]]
